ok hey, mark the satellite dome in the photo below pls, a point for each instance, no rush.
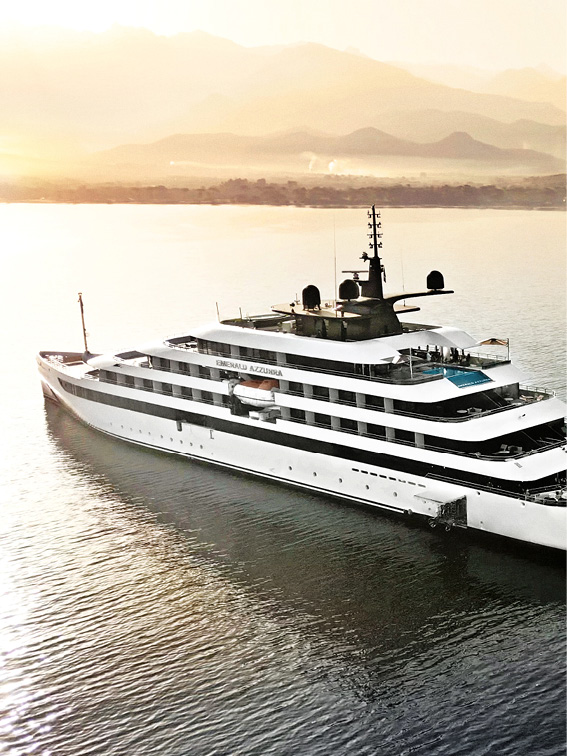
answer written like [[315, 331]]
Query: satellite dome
[[311, 297], [435, 280], [349, 289]]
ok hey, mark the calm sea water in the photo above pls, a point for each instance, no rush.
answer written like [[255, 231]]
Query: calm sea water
[[154, 606]]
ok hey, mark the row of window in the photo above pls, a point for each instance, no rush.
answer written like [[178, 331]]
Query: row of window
[[510, 444], [484, 401], [263, 432], [291, 360], [160, 387]]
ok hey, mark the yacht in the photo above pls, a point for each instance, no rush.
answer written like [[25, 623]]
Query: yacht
[[343, 397]]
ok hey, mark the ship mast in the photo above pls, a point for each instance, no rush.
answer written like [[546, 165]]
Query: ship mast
[[83, 322], [373, 287]]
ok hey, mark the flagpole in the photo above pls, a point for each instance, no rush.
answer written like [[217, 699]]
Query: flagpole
[[83, 321]]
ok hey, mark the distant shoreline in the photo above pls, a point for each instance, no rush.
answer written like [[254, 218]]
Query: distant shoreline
[[534, 193], [535, 208]]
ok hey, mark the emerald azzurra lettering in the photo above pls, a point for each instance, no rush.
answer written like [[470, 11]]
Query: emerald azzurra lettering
[[264, 370], [245, 368], [230, 364]]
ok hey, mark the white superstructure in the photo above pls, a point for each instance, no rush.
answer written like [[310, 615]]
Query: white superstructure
[[343, 398]]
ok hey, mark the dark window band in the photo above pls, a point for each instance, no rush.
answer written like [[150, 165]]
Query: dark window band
[[304, 444]]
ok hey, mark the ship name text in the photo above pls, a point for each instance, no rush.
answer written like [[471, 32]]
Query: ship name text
[[263, 369]]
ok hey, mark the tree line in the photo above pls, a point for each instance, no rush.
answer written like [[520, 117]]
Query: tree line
[[540, 192]]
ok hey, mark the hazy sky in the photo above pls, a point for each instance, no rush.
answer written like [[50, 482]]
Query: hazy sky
[[494, 34]]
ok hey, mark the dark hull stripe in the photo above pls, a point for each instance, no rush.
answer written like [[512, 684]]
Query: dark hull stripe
[[399, 464]]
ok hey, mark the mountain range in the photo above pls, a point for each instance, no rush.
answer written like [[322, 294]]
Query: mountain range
[[305, 151], [67, 94]]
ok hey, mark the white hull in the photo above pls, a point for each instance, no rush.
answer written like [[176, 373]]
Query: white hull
[[366, 484]]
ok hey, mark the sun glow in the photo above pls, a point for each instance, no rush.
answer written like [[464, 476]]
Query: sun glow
[[476, 33]]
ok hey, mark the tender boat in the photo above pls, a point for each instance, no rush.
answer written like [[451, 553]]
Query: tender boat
[[343, 397]]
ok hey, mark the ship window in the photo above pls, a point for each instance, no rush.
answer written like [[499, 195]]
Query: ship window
[[214, 347], [404, 435], [204, 372], [161, 363], [374, 402], [206, 396], [296, 388], [326, 366], [348, 424], [347, 397], [186, 392], [321, 392], [129, 380], [265, 354], [297, 414], [223, 349], [323, 420], [109, 376], [147, 384], [167, 388], [184, 367], [375, 430]]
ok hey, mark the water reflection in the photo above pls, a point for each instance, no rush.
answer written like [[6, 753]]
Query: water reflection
[[350, 565], [336, 606]]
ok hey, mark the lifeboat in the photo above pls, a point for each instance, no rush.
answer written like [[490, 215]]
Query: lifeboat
[[256, 393]]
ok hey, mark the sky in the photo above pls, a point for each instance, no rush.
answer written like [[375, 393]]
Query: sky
[[489, 34]]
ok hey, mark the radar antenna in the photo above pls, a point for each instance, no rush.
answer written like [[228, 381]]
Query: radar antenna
[[373, 287]]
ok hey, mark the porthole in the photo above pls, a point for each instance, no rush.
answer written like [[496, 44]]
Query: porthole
[[290, 467], [314, 474], [170, 439], [395, 494], [340, 480], [367, 487], [200, 446]]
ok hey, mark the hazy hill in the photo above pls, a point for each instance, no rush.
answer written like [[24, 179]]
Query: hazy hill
[[428, 125], [310, 86], [530, 84], [63, 92], [304, 150]]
